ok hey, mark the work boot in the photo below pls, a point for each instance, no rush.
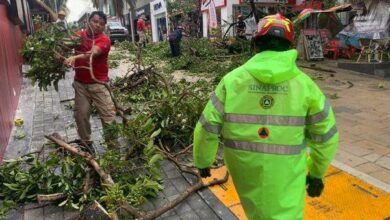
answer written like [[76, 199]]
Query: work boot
[[90, 148], [86, 146]]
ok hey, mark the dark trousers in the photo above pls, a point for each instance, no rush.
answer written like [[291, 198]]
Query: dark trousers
[[175, 48]]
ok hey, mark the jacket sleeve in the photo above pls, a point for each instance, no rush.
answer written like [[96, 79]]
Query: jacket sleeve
[[208, 128], [321, 134]]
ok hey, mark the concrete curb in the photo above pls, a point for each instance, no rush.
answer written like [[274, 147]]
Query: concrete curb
[[362, 176]]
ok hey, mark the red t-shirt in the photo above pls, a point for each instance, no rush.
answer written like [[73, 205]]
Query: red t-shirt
[[140, 24], [100, 63]]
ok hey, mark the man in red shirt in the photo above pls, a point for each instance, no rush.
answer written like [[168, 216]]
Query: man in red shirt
[[141, 30], [97, 44]]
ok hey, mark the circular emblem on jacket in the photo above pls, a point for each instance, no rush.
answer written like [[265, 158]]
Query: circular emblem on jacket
[[267, 101], [263, 132]]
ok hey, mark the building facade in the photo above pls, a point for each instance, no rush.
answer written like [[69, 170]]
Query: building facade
[[159, 20], [228, 10], [15, 23]]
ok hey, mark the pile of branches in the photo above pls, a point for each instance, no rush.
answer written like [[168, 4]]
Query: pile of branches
[[174, 107], [73, 178], [200, 57], [164, 113], [161, 126]]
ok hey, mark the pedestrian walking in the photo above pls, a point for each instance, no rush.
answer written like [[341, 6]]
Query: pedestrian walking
[[141, 28], [174, 39], [148, 32], [88, 91], [269, 116]]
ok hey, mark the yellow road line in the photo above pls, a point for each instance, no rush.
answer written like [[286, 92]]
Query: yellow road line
[[345, 197]]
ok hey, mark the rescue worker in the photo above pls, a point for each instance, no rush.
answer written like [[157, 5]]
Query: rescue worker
[[61, 20], [266, 113], [241, 27], [174, 39]]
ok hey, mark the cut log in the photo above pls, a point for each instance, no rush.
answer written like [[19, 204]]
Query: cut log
[[50, 198]]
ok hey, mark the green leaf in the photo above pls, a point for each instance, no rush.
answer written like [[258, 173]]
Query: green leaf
[[23, 195], [63, 203], [19, 135], [155, 159], [75, 206], [12, 186], [149, 149], [32, 196], [156, 133]]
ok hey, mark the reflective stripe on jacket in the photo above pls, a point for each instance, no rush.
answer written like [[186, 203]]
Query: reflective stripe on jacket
[[265, 113]]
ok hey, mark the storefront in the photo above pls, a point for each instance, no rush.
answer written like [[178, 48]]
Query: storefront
[[158, 17], [15, 23], [222, 13], [227, 12], [143, 10]]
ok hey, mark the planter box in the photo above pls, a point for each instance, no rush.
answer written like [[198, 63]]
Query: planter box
[[378, 69]]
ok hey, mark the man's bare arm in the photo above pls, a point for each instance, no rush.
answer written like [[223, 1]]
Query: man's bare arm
[[95, 51]]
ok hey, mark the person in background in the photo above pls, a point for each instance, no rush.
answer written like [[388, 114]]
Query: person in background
[[241, 27], [266, 113], [148, 32], [174, 39], [62, 21], [88, 92], [141, 30]]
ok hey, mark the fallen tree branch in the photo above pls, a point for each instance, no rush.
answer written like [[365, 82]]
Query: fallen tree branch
[[317, 68], [350, 84], [50, 198], [106, 178], [87, 181], [131, 210], [168, 206], [185, 150], [94, 211], [66, 100]]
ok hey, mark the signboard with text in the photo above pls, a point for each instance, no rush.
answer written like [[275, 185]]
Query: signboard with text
[[218, 3], [157, 7], [290, 2]]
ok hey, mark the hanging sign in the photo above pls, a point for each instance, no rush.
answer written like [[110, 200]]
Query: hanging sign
[[291, 2], [157, 7], [213, 21], [206, 3]]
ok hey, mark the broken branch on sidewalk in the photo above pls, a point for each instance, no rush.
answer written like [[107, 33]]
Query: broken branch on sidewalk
[[106, 178]]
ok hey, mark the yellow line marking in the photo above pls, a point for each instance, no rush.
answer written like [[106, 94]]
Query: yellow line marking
[[344, 197]]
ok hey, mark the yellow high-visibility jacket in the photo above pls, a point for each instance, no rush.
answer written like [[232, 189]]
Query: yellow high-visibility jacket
[[266, 113]]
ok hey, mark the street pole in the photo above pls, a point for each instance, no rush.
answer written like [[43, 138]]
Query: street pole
[[55, 6], [101, 5], [132, 27], [252, 4]]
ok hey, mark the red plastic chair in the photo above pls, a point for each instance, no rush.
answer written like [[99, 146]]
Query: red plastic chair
[[332, 47], [347, 52]]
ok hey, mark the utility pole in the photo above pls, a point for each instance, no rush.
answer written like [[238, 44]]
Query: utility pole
[[253, 6], [101, 2], [55, 6]]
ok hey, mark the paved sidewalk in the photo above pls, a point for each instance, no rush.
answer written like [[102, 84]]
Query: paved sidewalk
[[363, 120], [361, 104], [45, 112]]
